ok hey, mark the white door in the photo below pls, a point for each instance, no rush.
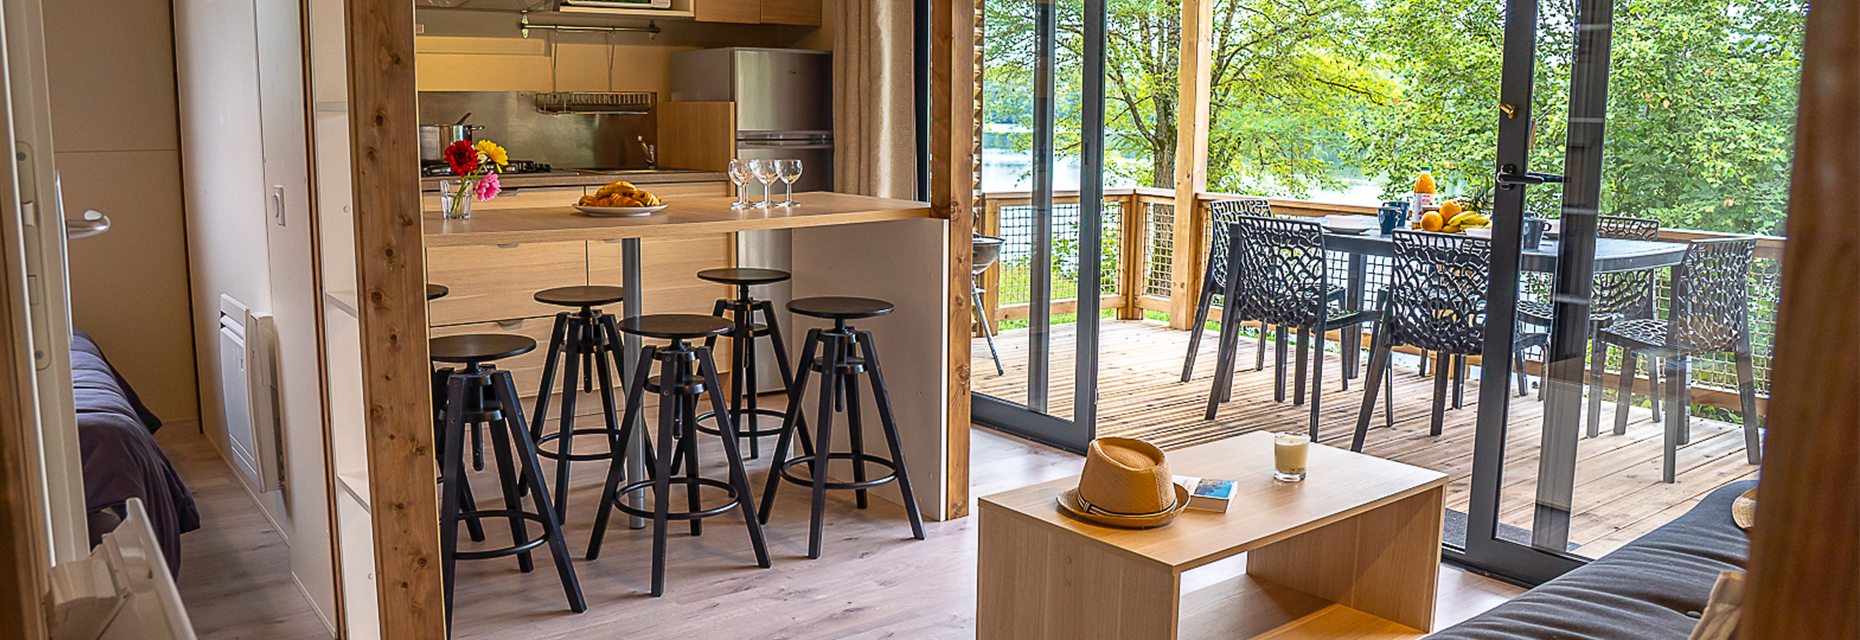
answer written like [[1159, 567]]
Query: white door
[[34, 235]]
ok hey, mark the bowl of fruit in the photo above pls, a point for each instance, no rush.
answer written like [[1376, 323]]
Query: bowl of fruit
[[620, 199], [1454, 217]]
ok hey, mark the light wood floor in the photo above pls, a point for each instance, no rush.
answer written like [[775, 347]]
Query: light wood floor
[[235, 570], [872, 580], [1618, 494]]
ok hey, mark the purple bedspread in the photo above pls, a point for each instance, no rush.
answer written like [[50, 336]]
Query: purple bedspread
[[121, 460]]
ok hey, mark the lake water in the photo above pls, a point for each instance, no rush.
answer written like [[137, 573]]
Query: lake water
[[1005, 171]]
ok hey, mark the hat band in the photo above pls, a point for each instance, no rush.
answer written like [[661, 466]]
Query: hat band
[[1097, 510]]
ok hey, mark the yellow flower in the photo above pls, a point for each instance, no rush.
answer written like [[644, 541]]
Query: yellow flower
[[492, 152]]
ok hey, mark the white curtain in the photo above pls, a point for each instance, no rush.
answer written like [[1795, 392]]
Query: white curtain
[[873, 129]]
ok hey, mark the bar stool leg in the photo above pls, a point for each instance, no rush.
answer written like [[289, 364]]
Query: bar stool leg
[[739, 478], [781, 364], [508, 471], [565, 443], [890, 423], [688, 443], [855, 428], [452, 470], [557, 336], [789, 422], [662, 478], [616, 469], [558, 544], [832, 353]]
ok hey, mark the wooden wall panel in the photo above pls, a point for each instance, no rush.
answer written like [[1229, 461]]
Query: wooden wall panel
[[1805, 550]]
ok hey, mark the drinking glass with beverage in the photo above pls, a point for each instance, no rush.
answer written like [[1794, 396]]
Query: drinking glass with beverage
[[1288, 456]]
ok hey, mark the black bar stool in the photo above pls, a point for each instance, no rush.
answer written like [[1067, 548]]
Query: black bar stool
[[480, 394], [588, 338], [743, 409], [685, 371], [845, 353]]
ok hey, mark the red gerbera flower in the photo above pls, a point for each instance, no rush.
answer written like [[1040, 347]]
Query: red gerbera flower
[[462, 157]]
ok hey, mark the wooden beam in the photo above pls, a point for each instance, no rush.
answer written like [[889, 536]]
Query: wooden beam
[[1018, 311], [391, 274], [1191, 158], [25, 553], [1805, 552], [953, 95]]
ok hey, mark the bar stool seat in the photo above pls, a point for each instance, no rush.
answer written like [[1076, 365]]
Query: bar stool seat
[[593, 295], [479, 347], [676, 326], [841, 307], [436, 291], [740, 276]]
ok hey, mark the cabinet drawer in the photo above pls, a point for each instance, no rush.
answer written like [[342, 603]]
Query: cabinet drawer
[[669, 269], [496, 282], [526, 370]]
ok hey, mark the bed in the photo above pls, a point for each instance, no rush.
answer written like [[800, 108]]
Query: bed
[[119, 454]]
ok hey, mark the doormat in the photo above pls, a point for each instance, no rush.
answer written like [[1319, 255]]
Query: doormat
[[1456, 532]]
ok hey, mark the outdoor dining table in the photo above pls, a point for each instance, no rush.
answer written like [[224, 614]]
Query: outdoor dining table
[[1562, 415]]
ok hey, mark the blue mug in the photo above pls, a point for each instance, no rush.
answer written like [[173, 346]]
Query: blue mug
[[1392, 215]]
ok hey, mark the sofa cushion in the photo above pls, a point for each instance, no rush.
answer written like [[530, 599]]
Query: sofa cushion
[[1651, 589]]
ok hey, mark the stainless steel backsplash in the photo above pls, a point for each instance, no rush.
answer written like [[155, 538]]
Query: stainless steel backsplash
[[566, 141]]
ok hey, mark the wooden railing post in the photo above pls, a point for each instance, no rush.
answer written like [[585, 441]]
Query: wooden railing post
[[1133, 247], [1191, 158]]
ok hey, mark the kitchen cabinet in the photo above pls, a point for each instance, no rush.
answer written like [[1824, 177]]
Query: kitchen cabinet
[[797, 12]]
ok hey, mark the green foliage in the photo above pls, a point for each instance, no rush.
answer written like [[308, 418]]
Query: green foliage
[[1701, 108]]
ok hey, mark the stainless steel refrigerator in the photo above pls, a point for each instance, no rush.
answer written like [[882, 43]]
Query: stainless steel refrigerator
[[784, 109]]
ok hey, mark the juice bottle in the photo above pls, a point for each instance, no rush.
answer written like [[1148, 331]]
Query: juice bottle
[[1423, 197]]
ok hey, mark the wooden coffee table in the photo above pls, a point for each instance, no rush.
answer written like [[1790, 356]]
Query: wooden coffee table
[[1351, 552]]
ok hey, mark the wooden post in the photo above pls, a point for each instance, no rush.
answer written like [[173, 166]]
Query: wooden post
[[953, 95], [1805, 552], [391, 272], [1191, 158], [1133, 247]]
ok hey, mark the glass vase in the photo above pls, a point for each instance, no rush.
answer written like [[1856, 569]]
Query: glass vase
[[455, 200]]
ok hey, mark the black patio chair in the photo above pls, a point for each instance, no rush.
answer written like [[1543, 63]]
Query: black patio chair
[[1709, 313], [1222, 213], [1613, 297], [1277, 273], [1435, 301]]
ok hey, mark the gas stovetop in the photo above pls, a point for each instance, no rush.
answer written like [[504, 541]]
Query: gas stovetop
[[441, 170]]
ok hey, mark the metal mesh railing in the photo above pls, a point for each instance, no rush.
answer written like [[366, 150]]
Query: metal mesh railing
[[1016, 230], [1158, 260]]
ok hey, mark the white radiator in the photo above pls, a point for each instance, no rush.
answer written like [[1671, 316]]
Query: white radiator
[[249, 388]]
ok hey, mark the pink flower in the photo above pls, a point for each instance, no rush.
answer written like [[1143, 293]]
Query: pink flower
[[487, 187]]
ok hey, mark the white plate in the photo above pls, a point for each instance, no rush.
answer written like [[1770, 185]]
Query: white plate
[[1480, 232], [1349, 223], [620, 211]]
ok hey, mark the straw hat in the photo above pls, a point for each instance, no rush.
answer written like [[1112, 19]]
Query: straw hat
[[1126, 483], [1744, 510]]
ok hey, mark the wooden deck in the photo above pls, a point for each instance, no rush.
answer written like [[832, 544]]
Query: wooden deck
[[1618, 495]]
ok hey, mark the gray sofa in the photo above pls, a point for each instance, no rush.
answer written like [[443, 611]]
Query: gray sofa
[[1651, 589]]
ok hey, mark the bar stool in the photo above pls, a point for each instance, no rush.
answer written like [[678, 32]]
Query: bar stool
[[743, 350], [685, 372], [481, 394], [590, 343], [845, 352]]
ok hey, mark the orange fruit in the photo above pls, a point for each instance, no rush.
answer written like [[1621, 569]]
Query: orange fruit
[[1424, 184], [1431, 221], [1450, 209]]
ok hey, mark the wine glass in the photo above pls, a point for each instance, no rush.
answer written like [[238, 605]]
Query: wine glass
[[739, 175], [789, 171], [765, 174]]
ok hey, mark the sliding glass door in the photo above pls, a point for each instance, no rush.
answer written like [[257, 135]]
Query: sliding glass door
[[1035, 362]]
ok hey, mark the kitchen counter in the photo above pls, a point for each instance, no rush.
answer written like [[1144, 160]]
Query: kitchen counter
[[692, 216], [573, 178]]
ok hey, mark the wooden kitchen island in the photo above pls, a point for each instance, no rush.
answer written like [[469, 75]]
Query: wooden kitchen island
[[838, 244]]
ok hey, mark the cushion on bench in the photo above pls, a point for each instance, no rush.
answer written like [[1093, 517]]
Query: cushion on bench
[[1651, 589]]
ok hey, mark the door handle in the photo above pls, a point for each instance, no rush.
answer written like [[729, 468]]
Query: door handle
[[93, 223], [277, 205], [1509, 176]]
